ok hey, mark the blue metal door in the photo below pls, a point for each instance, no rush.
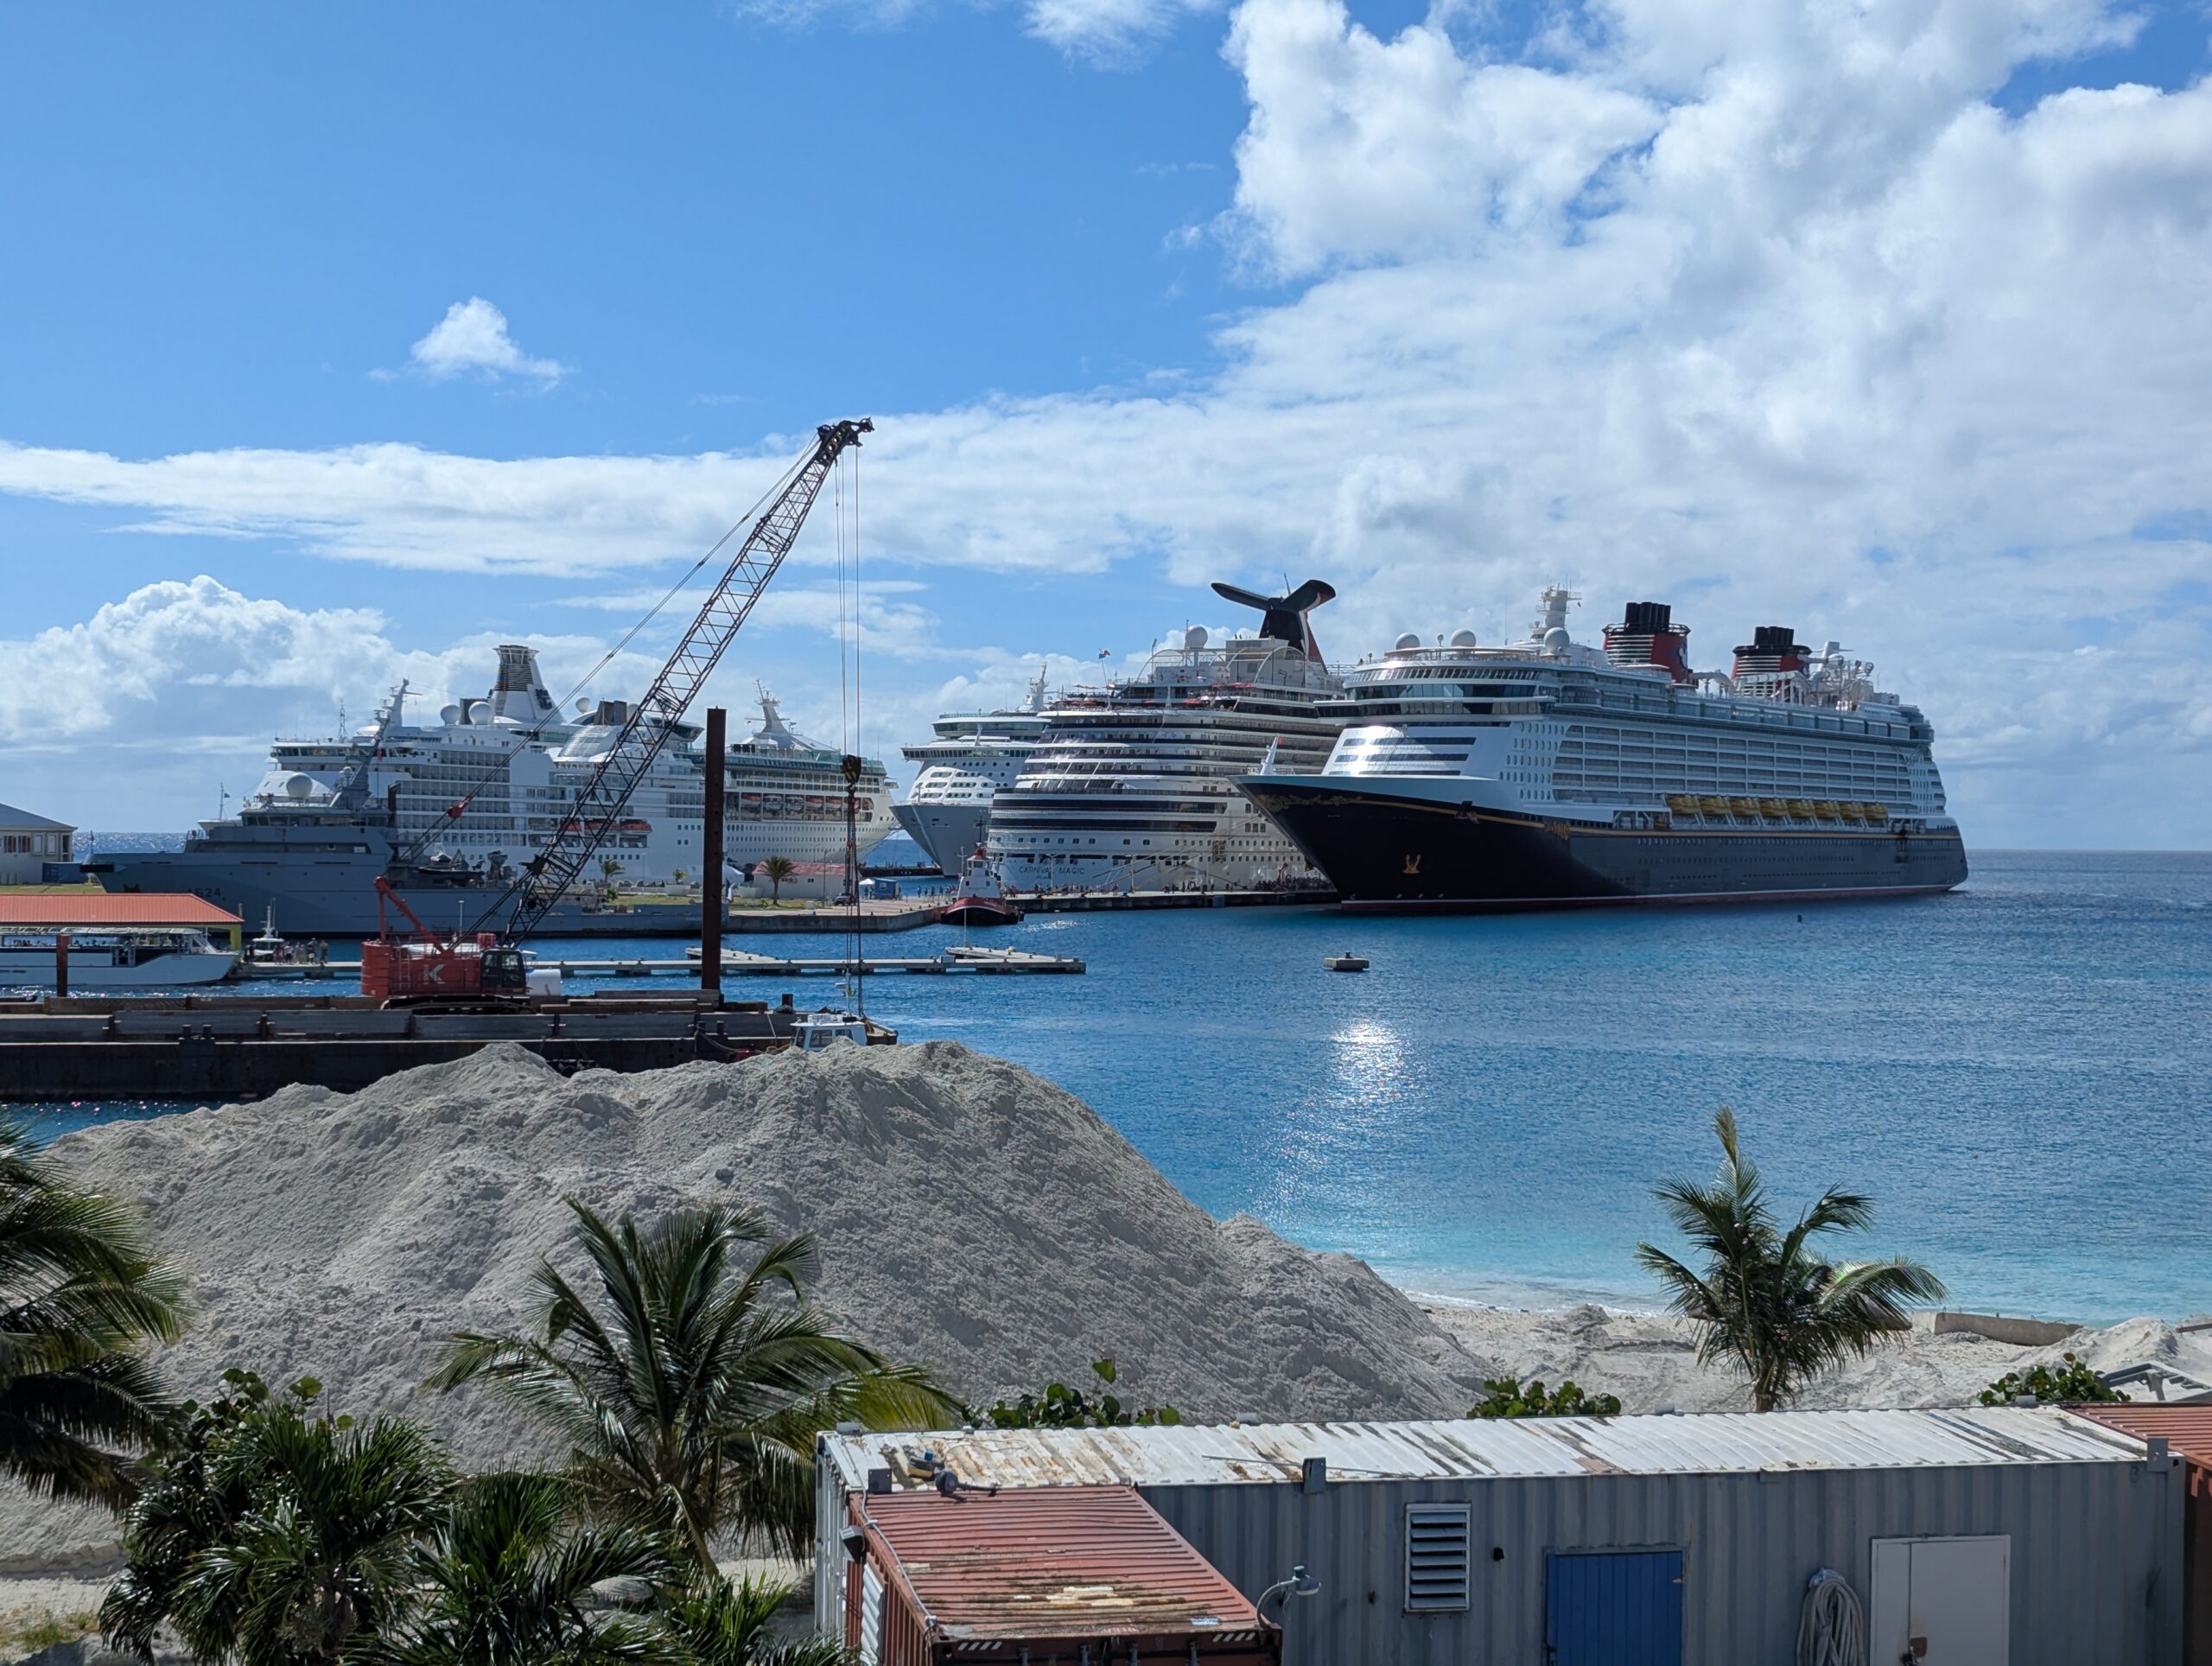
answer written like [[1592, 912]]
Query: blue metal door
[[1613, 1608]]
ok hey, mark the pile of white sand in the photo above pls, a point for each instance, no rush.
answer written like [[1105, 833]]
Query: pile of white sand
[[1650, 1361], [972, 1217]]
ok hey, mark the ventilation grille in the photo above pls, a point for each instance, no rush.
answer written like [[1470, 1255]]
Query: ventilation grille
[[1436, 1557]]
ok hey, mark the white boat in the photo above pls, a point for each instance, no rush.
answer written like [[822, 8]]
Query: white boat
[[481, 791], [115, 958], [948, 812], [815, 1031], [1133, 786], [272, 956]]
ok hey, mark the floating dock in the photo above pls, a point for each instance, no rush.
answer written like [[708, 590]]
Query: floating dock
[[245, 1046]]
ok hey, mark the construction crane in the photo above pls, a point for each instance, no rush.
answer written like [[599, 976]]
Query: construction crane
[[425, 966]]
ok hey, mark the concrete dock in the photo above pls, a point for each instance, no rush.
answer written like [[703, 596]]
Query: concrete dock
[[959, 960], [1084, 902], [244, 1046]]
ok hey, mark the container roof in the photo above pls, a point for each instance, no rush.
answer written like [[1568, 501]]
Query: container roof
[[1053, 1562], [88, 908], [1716, 1443], [2186, 1429]]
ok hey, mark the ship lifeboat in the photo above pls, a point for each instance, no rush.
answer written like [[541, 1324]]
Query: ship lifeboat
[[1878, 814], [1714, 806], [1829, 810], [1747, 808], [1852, 811], [1801, 809], [1682, 803], [1773, 810]]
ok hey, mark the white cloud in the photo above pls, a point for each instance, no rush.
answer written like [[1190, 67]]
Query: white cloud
[[1766, 310], [471, 340]]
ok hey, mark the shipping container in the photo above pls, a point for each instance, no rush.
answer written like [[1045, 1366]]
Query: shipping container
[[1990, 1537], [2187, 1430]]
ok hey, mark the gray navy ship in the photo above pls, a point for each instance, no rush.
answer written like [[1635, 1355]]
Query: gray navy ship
[[1551, 773]]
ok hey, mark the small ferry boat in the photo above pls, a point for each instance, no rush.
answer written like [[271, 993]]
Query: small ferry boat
[[270, 956], [980, 900], [116, 958]]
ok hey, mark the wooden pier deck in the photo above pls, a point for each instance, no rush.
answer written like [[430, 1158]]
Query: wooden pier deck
[[960, 960]]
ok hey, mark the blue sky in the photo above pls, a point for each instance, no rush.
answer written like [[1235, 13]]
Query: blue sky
[[1889, 323]]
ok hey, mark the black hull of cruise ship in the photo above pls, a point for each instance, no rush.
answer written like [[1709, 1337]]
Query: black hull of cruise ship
[[1390, 854]]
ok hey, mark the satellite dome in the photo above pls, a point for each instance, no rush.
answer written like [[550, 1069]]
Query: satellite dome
[[583, 708], [479, 711], [450, 715], [1195, 638], [1463, 638], [299, 786], [1404, 642], [1556, 639]]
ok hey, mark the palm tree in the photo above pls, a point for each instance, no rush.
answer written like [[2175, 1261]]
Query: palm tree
[[721, 1624], [83, 1294], [608, 868], [275, 1535], [1765, 1299], [506, 1579], [690, 1392], [776, 870]]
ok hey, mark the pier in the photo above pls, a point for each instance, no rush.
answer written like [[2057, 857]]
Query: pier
[[960, 959], [1083, 902], [243, 1046]]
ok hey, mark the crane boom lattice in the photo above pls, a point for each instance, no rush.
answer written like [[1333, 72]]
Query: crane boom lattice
[[653, 719]]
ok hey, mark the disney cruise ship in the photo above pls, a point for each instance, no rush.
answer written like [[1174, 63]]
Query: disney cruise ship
[[1132, 787], [948, 812], [482, 791], [1550, 772]]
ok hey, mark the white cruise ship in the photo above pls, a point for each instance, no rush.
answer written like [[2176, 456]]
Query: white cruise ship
[[1550, 772], [948, 811], [480, 792], [1132, 787]]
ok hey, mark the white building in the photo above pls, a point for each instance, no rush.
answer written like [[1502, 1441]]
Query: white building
[[28, 843]]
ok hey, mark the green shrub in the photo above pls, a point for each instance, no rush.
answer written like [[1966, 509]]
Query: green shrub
[[1063, 1408], [2074, 1383], [1506, 1397]]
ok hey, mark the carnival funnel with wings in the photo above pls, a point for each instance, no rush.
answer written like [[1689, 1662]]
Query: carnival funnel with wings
[[1285, 617]]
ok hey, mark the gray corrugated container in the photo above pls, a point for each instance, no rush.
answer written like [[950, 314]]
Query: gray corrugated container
[[1755, 1505]]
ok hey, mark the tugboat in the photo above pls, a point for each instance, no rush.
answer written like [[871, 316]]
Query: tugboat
[[980, 899]]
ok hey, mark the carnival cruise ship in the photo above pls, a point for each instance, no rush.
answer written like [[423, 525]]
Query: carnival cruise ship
[[948, 812], [1549, 772], [1132, 787], [476, 795]]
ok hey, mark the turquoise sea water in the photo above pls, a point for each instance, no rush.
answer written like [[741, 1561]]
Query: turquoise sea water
[[2020, 1073]]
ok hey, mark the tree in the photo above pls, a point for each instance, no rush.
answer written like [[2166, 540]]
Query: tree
[[505, 1580], [721, 1624], [689, 1390], [1506, 1397], [1763, 1299], [275, 1534], [1063, 1408], [608, 868], [83, 1294], [776, 870]]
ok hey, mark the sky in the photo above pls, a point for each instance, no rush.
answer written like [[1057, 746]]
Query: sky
[[338, 346]]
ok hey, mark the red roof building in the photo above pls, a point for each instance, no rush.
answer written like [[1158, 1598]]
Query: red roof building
[[92, 910]]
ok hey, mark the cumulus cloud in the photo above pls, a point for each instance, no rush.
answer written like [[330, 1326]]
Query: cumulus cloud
[[472, 339], [1768, 310]]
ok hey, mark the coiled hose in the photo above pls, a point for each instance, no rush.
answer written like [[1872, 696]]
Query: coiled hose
[[1831, 1630]]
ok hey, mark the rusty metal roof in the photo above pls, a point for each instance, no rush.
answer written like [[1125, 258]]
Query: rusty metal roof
[[2186, 1429], [74, 909], [1044, 1563], [1710, 1443]]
